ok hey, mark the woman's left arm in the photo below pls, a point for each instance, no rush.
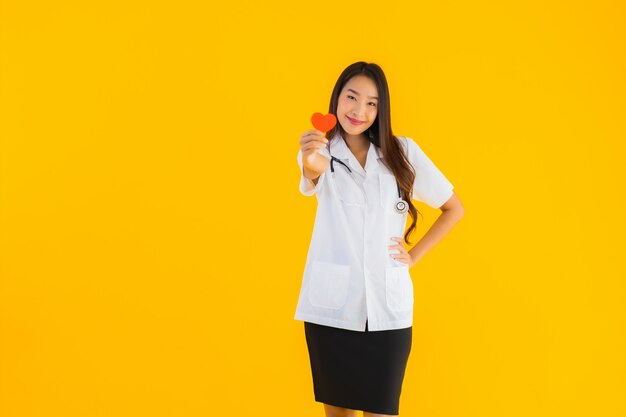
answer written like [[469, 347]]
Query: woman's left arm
[[452, 212]]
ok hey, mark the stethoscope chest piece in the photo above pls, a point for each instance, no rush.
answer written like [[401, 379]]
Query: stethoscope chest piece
[[401, 206]]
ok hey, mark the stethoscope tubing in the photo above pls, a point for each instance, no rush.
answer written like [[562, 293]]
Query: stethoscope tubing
[[401, 206]]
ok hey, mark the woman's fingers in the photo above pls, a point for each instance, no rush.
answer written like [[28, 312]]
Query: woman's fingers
[[313, 135], [310, 143], [399, 245], [403, 255], [311, 146]]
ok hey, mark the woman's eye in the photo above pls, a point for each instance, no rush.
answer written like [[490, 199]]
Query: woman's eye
[[349, 96]]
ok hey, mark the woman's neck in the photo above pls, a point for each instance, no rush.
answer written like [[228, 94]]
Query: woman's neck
[[357, 143]]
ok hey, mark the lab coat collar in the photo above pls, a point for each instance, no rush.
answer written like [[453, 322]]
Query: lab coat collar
[[339, 149]]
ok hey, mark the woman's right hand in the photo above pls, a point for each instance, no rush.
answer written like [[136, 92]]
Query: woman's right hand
[[310, 142]]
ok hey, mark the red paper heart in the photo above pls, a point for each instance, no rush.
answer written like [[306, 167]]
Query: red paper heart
[[323, 123]]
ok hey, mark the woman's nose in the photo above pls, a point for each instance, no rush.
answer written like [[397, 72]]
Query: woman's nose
[[359, 112]]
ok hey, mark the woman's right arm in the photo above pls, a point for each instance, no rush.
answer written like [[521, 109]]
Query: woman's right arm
[[319, 165], [314, 164]]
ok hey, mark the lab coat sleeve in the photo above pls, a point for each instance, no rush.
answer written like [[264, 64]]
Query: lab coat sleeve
[[307, 187], [430, 185]]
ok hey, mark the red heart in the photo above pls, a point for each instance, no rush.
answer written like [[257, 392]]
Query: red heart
[[323, 123]]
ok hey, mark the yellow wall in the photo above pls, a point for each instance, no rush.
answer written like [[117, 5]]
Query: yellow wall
[[153, 238]]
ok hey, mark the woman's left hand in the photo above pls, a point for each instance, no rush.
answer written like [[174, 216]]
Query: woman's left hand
[[404, 256]]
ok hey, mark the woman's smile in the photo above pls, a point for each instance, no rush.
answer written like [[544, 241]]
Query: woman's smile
[[354, 122]]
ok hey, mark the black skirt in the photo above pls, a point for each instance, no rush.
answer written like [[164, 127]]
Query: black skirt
[[358, 370]]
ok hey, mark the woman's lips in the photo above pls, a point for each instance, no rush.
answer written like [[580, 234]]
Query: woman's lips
[[354, 122]]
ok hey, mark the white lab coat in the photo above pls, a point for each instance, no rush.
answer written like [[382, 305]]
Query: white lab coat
[[349, 274]]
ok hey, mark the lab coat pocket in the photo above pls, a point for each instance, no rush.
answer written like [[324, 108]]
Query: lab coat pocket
[[388, 192], [399, 288], [328, 287], [350, 190]]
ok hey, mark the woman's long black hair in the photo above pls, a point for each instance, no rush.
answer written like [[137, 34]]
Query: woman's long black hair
[[380, 132]]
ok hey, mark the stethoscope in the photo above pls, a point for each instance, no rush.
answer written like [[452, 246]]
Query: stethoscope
[[400, 206]]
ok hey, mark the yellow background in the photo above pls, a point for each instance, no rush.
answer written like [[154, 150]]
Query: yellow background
[[153, 237]]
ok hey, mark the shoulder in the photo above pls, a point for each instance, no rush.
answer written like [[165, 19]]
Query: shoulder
[[406, 140], [410, 147]]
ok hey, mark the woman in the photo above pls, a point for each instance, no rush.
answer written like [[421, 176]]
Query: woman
[[356, 298]]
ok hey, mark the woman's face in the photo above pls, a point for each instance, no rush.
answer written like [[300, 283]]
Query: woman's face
[[358, 102]]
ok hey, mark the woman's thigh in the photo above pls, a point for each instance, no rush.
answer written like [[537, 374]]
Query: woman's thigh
[[334, 411]]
